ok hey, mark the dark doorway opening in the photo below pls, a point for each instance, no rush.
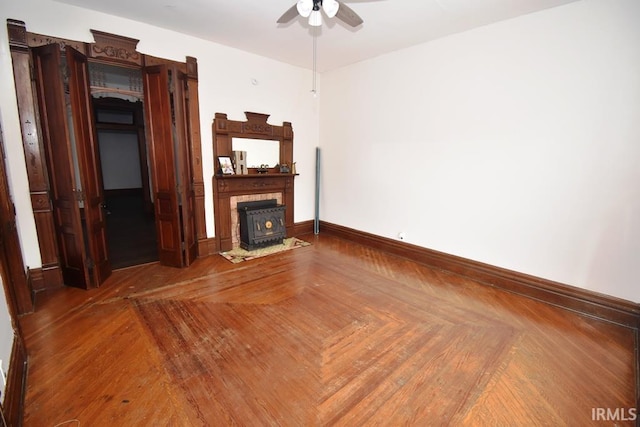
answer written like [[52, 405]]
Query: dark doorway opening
[[131, 228], [131, 231]]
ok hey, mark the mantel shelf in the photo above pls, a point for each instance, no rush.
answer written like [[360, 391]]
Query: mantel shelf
[[256, 175]]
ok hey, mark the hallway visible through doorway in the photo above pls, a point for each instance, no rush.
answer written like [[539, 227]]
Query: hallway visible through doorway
[[131, 232]]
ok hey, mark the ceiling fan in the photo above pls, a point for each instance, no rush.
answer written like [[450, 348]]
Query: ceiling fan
[[311, 9]]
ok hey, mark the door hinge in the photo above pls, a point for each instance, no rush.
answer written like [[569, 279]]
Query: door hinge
[[79, 195]]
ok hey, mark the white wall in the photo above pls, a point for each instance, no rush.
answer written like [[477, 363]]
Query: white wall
[[225, 85], [516, 144]]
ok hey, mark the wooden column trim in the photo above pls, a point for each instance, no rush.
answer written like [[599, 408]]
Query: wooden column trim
[[33, 151], [196, 155], [14, 280]]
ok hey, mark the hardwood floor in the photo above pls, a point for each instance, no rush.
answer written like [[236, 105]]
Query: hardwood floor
[[330, 334]]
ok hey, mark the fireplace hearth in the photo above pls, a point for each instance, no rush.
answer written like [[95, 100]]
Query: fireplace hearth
[[262, 224]]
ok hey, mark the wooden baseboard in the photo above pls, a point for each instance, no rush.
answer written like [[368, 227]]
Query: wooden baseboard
[[586, 302], [13, 403], [207, 247], [638, 374], [35, 277], [45, 278], [304, 227]]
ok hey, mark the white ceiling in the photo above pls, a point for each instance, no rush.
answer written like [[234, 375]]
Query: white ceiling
[[250, 25]]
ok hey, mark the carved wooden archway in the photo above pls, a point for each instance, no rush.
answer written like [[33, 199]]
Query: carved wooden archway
[[116, 50]]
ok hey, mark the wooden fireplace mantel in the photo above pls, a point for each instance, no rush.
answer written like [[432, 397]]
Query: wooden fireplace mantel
[[227, 186]]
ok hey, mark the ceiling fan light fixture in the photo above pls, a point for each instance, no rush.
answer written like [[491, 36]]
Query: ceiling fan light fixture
[[304, 7], [330, 7], [315, 18]]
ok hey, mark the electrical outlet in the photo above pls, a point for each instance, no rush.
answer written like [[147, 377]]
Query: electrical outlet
[[402, 235]]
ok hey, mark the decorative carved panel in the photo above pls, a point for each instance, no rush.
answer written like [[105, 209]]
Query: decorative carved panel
[[40, 202], [35, 40], [115, 48], [17, 35]]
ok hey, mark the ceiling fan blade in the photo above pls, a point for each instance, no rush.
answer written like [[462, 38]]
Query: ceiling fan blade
[[288, 15], [348, 16]]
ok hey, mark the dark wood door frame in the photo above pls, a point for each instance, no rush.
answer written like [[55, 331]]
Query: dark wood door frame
[[116, 50], [14, 279], [51, 274], [18, 297]]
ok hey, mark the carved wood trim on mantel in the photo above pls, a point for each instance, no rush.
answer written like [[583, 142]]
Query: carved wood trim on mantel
[[226, 186], [255, 127]]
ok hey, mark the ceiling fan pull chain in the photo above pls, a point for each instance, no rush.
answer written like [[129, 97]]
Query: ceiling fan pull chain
[[315, 60]]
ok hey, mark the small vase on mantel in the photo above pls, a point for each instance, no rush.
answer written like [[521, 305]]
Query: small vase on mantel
[[293, 168]]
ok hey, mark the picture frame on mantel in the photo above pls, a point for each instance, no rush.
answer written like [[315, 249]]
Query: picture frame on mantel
[[226, 166]]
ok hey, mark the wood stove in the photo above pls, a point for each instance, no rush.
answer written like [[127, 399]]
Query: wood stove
[[262, 224]]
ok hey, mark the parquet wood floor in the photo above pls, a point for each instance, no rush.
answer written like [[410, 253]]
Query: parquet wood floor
[[330, 334]]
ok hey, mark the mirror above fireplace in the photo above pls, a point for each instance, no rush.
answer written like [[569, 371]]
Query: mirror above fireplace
[[259, 151], [258, 134]]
